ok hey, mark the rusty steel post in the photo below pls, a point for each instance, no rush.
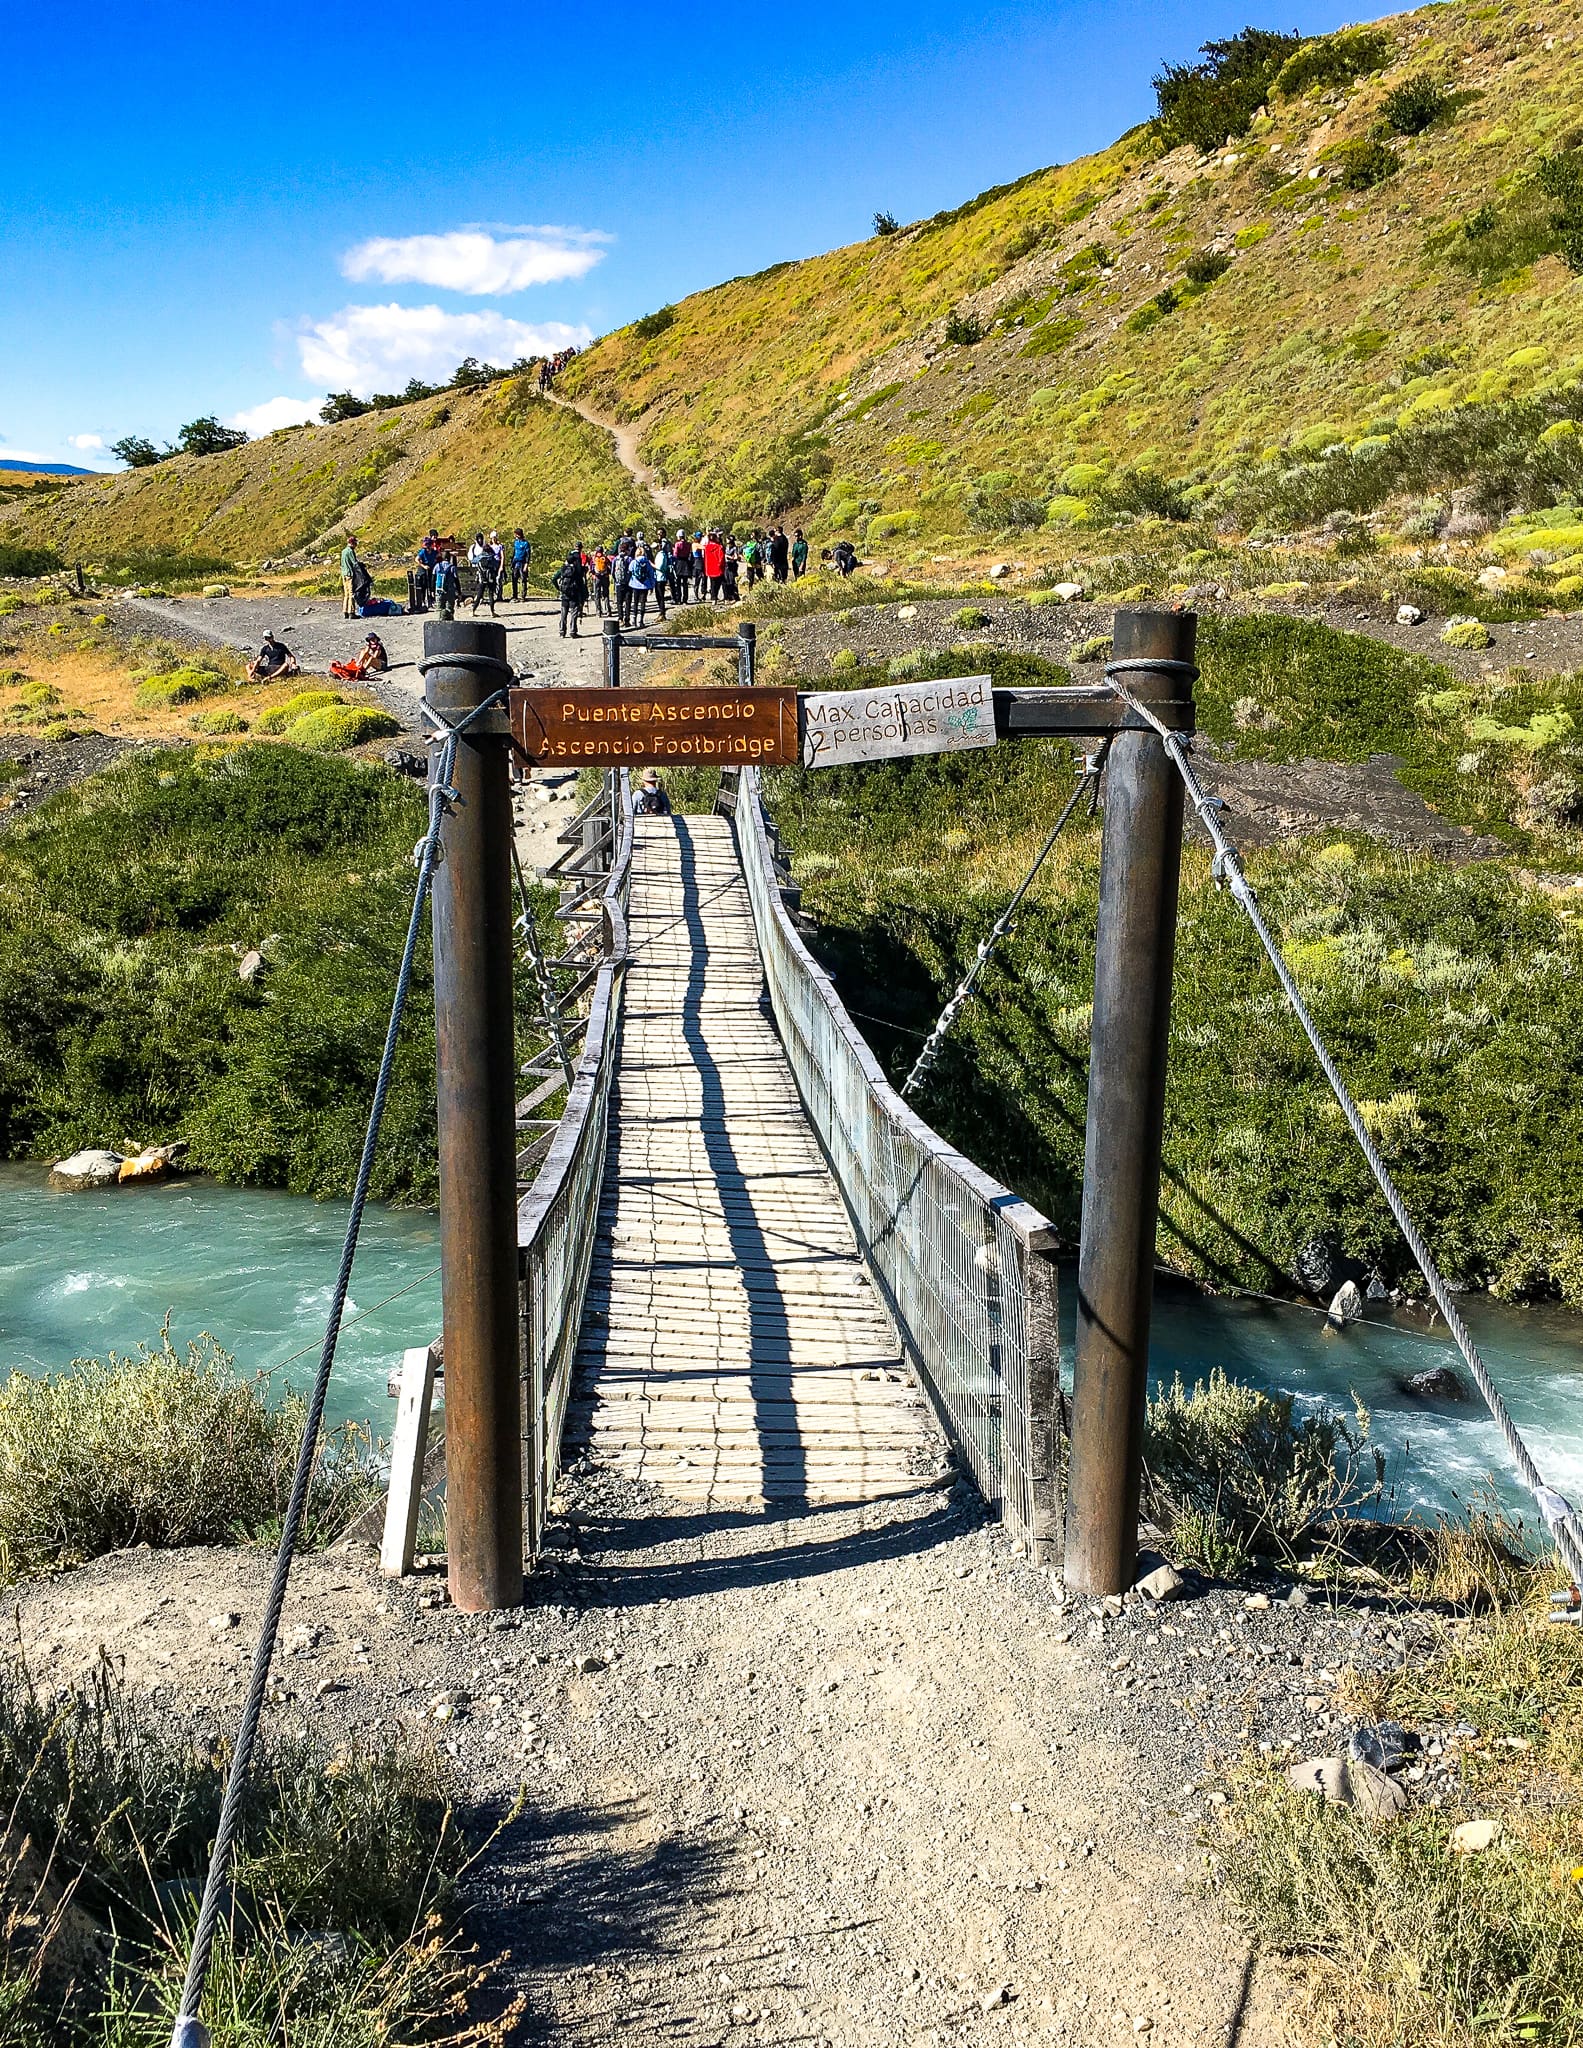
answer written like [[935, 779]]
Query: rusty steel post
[[1140, 858], [464, 663]]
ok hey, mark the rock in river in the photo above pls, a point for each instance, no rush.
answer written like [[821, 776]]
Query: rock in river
[[1438, 1383], [89, 1169]]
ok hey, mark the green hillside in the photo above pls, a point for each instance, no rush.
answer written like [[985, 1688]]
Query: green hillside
[[494, 457], [1213, 321], [1371, 299]]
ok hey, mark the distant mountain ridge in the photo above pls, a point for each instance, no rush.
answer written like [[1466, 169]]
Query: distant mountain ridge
[[45, 468]]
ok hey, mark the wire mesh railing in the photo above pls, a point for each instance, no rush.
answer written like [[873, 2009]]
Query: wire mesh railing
[[557, 1218], [965, 1266]]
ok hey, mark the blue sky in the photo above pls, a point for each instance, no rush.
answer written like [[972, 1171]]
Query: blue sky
[[234, 210]]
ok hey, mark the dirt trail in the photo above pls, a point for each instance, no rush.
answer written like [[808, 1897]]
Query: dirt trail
[[832, 1778], [670, 502]]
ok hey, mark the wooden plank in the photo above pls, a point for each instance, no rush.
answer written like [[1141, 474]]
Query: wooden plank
[[408, 1442]]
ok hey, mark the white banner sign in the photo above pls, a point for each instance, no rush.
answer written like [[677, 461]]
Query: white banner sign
[[840, 726]]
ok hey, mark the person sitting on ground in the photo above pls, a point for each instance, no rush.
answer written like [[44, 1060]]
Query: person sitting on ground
[[652, 799], [275, 662], [371, 660]]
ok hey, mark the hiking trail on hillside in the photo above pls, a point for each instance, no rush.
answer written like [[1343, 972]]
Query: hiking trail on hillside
[[625, 437]]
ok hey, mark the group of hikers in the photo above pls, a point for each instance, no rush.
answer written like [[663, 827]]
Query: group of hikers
[[550, 367], [705, 567], [434, 582]]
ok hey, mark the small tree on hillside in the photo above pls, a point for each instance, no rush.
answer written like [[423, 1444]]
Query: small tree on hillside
[[1209, 102], [886, 224], [344, 405], [206, 436], [137, 453]]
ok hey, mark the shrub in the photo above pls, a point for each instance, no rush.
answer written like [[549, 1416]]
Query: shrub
[[1364, 163], [217, 590], [179, 686], [970, 615], [335, 727], [1205, 104], [1097, 649], [276, 721], [1414, 105], [165, 1449], [1333, 60], [1560, 178], [1206, 266], [1467, 633], [654, 324], [962, 330], [1145, 492], [219, 723], [1229, 1474], [24, 561], [845, 659], [886, 224]]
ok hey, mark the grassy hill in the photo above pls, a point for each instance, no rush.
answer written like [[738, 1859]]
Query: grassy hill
[[1215, 322], [1370, 297], [493, 457]]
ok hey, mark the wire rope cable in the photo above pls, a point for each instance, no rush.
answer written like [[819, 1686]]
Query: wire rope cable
[[1558, 1514], [189, 2030], [1087, 783]]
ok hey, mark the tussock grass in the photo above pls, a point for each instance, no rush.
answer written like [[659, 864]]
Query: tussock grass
[[165, 1448], [342, 1927], [1405, 1943]]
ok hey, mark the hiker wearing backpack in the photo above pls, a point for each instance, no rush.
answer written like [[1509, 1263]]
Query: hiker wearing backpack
[[571, 581], [521, 556]]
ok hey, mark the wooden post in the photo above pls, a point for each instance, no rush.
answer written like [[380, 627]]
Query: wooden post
[[1140, 858], [1046, 1420], [465, 663], [409, 1443]]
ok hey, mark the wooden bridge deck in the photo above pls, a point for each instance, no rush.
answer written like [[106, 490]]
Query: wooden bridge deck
[[733, 1347]]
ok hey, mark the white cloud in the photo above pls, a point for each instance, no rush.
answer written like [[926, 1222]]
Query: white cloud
[[10, 453], [371, 348], [477, 260], [86, 441], [273, 413]]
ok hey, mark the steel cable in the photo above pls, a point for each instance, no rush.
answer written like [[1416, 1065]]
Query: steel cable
[[1558, 1514], [189, 2031], [1087, 781]]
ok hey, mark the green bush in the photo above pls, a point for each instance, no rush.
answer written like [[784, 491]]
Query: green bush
[[335, 727], [1364, 163], [1333, 60], [1229, 1475], [25, 561], [970, 615], [1207, 103], [1414, 105], [654, 324], [180, 686], [123, 903], [1204, 267], [1467, 633], [165, 1449], [275, 722], [359, 1843], [964, 330], [218, 724], [1560, 178]]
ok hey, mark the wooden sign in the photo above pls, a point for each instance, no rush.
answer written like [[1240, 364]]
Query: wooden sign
[[591, 726], [898, 719]]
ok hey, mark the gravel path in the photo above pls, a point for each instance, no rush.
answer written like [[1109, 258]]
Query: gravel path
[[846, 1776], [625, 437]]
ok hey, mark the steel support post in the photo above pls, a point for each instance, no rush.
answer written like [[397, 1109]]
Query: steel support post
[[465, 662], [612, 648], [747, 647], [1140, 859]]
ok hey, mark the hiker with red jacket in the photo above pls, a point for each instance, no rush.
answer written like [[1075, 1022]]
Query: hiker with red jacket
[[715, 565]]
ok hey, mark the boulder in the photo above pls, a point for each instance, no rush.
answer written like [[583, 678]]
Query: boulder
[[1473, 1837], [1409, 615], [1438, 1383], [1346, 1305], [1068, 593], [1324, 1776], [250, 966], [1163, 1583], [86, 1170], [998, 571], [1376, 1796], [152, 1163], [1491, 576], [1321, 1265]]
